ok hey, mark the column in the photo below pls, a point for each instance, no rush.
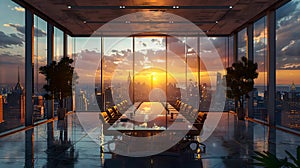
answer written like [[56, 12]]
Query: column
[[250, 57], [50, 55], [235, 47], [271, 69], [29, 148], [65, 45], [29, 33]]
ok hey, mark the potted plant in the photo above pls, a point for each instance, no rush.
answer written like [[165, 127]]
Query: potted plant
[[59, 77], [240, 81], [269, 160]]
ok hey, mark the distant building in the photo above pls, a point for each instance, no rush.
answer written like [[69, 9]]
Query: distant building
[[173, 93], [38, 107], [81, 101], [14, 106], [130, 89], [108, 98]]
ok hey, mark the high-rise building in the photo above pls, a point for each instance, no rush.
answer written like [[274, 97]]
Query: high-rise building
[[14, 108], [130, 89], [81, 101]]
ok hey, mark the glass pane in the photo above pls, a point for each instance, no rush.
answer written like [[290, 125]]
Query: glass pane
[[242, 39], [212, 68], [260, 57], [230, 51], [12, 65], [287, 66], [117, 71], [70, 46], [150, 69], [40, 59], [221, 49], [58, 44], [87, 56]]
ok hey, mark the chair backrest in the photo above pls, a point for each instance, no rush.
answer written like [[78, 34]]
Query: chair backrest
[[110, 113], [104, 116], [126, 102], [188, 109], [119, 107], [183, 107], [201, 117], [177, 103], [194, 113], [116, 111]]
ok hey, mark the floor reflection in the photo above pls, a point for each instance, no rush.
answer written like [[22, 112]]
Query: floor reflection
[[60, 151], [66, 144], [29, 148], [162, 160]]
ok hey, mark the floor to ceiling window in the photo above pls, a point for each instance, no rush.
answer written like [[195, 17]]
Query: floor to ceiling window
[[87, 56], [242, 47], [221, 48], [147, 68], [260, 57], [58, 44], [12, 65], [178, 79], [117, 80], [40, 59], [288, 65], [150, 69]]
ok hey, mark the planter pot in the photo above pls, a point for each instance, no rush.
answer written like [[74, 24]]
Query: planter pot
[[61, 112]]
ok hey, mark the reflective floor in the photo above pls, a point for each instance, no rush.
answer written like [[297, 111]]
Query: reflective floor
[[57, 145]]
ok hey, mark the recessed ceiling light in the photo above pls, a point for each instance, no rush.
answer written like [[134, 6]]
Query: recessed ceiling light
[[69, 7]]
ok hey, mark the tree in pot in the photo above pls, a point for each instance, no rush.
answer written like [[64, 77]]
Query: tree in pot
[[59, 77], [240, 81]]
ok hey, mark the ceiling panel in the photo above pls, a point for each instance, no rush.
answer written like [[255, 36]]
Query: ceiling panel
[[215, 17]]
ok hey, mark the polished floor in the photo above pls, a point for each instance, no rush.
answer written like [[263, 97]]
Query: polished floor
[[57, 145]]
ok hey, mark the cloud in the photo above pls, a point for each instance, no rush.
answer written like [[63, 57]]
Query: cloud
[[8, 59], [291, 44], [287, 36], [8, 40], [21, 29], [18, 8], [291, 6], [293, 48], [291, 66], [39, 33], [18, 27]]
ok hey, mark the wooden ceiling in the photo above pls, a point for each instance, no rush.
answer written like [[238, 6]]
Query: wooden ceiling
[[84, 17]]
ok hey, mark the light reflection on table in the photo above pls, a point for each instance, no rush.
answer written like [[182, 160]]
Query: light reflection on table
[[152, 117]]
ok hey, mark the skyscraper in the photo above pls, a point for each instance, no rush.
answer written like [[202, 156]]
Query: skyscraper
[[130, 90], [14, 109]]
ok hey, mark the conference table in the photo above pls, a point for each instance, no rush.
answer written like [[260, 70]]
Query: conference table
[[150, 118]]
